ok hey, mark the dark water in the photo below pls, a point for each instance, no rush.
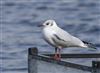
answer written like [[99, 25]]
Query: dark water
[[19, 20]]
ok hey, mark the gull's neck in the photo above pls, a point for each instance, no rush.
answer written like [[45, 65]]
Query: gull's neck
[[54, 27]]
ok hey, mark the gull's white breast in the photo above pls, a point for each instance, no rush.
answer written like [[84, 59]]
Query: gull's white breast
[[47, 35]]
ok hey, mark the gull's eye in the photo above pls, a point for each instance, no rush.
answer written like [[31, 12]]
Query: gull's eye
[[47, 23]]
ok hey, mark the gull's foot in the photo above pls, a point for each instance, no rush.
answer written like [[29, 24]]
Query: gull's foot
[[57, 57]]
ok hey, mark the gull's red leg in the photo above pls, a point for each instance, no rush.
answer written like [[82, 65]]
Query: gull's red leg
[[57, 55]]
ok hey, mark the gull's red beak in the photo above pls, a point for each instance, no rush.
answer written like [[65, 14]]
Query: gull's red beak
[[39, 25]]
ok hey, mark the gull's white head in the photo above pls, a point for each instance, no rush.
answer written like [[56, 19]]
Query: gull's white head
[[49, 23]]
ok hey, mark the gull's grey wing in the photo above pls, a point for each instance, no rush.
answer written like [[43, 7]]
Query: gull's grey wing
[[58, 41], [62, 42], [65, 39], [90, 45], [57, 37]]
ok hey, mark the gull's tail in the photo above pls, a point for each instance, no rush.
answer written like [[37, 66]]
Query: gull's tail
[[90, 45]]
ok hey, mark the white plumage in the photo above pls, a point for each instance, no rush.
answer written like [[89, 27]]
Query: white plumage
[[58, 37]]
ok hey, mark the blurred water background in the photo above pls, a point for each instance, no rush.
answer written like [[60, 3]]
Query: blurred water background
[[19, 31]]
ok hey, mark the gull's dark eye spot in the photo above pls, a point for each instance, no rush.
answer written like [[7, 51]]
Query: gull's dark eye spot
[[47, 23], [51, 24]]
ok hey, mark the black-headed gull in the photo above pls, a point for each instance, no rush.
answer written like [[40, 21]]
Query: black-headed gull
[[59, 38]]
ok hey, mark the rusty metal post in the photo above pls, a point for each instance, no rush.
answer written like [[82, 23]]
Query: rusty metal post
[[32, 63], [95, 66]]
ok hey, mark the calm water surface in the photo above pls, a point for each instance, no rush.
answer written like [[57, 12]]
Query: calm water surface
[[19, 20]]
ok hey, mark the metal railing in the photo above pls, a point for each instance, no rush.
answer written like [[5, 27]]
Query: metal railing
[[33, 56]]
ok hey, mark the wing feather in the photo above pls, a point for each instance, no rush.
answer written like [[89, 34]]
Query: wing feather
[[64, 39]]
